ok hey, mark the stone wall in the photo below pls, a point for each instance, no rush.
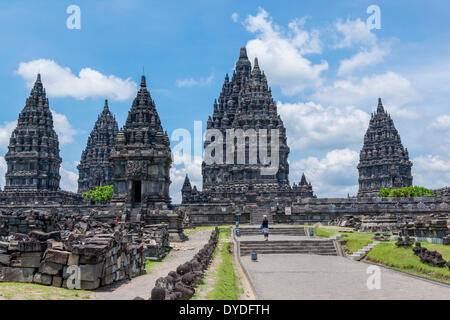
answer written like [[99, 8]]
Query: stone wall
[[312, 210]]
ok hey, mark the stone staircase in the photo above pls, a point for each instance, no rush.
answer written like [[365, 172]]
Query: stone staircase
[[361, 253], [313, 246], [256, 217], [287, 231]]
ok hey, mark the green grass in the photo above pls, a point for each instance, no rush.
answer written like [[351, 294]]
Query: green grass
[[324, 232], [31, 291], [226, 286], [189, 231], [404, 259], [149, 264], [356, 241], [352, 241]]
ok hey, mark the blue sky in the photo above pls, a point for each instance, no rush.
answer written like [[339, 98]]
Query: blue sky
[[326, 71]]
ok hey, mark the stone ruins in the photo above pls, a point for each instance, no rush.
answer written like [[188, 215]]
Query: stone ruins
[[46, 233]]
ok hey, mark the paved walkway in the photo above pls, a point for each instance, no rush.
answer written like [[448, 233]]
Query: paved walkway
[[299, 276], [142, 286]]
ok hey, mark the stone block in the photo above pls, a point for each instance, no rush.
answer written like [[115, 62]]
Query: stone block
[[85, 259], [27, 260], [56, 256], [41, 278], [5, 259], [30, 246], [57, 281], [50, 268], [90, 285], [17, 274], [91, 272], [73, 259]]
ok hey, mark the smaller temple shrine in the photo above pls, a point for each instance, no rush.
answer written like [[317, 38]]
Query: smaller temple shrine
[[95, 168], [384, 162]]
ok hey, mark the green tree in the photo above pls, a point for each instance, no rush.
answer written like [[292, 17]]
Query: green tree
[[407, 192], [100, 194]]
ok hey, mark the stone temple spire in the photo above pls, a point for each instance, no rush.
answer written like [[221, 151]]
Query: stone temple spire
[[384, 162], [246, 105], [95, 168], [142, 156], [33, 153]]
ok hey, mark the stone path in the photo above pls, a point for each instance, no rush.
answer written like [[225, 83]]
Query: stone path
[[300, 276], [142, 286]]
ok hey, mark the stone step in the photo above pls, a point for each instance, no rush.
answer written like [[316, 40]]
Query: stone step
[[297, 251]]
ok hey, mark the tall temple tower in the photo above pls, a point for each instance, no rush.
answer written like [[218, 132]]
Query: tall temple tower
[[142, 157], [33, 153], [95, 168], [246, 105], [384, 163]]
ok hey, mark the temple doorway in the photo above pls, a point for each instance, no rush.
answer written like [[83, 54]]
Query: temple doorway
[[137, 191]]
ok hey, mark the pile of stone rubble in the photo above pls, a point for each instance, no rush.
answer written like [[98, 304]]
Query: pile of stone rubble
[[180, 284], [433, 258], [24, 221], [77, 261], [82, 253]]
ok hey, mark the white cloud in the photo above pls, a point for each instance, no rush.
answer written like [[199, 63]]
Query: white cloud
[[354, 32], [63, 128], [191, 82], [311, 126], [280, 53], [235, 17], [69, 180], [431, 171], [5, 133], [61, 82], [363, 58], [442, 122], [182, 165], [395, 90], [3, 168], [335, 175]]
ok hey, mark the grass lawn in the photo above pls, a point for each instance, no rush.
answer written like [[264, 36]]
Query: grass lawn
[[31, 291], [189, 231], [226, 286], [404, 259], [149, 264], [353, 241]]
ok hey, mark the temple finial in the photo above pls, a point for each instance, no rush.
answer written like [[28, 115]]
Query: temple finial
[[380, 106], [143, 82], [38, 79], [256, 66], [106, 107], [243, 53]]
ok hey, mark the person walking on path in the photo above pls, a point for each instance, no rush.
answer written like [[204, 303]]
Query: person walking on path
[[265, 228]]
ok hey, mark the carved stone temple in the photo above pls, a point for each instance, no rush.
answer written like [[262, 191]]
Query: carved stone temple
[[95, 168], [33, 159], [142, 159], [384, 162], [33, 154], [246, 104]]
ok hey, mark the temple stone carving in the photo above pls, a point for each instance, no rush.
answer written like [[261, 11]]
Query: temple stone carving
[[384, 162], [246, 106], [95, 168], [33, 154], [142, 157]]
